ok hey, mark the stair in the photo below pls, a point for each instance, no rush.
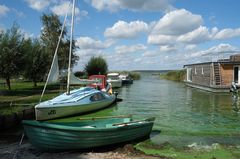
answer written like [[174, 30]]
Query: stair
[[217, 74]]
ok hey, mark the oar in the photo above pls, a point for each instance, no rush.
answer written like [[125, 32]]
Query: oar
[[105, 117], [136, 121]]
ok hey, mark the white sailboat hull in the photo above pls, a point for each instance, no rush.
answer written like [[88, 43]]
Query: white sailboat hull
[[60, 107]]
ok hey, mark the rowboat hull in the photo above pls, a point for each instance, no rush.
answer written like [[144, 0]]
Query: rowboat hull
[[50, 137]]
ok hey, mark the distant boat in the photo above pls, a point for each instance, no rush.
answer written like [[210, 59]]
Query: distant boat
[[72, 102], [114, 79], [126, 79], [84, 134]]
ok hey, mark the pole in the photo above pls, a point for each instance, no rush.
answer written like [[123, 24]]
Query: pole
[[70, 49]]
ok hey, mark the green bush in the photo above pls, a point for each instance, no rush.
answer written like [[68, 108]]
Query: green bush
[[96, 65], [176, 75], [135, 75]]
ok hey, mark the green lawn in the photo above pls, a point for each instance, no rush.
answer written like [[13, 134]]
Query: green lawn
[[24, 94]]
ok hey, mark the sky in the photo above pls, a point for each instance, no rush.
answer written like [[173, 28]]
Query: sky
[[138, 34]]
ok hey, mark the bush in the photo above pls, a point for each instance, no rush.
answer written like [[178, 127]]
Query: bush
[[135, 75], [177, 75], [81, 74], [96, 65]]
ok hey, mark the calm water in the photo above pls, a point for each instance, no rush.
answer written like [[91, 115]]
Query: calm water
[[183, 115]]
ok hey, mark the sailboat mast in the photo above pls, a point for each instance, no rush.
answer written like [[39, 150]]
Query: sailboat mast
[[70, 49]]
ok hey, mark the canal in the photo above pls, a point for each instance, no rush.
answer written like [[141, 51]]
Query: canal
[[185, 117]]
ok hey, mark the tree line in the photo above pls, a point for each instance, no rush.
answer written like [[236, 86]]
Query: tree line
[[31, 57]]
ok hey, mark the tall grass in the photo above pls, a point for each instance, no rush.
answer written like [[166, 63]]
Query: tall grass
[[176, 75]]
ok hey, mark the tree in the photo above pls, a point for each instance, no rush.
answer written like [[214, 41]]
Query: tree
[[11, 55], [96, 65], [49, 36], [36, 61]]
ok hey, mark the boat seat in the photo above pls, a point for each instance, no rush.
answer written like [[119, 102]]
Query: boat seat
[[109, 125], [88, 126]]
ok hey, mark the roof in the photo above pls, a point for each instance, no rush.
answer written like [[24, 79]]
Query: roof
[[113, 74], [221, 62], [203, 63], [233, 59]]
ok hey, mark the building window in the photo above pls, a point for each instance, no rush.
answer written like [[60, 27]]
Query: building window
[[195, 71], [202, 71]]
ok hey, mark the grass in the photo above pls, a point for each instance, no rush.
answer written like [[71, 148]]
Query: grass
[[135, 75], [177, 75], [24, 94]]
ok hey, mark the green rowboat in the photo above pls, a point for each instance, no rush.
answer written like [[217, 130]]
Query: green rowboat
[[84, 134]]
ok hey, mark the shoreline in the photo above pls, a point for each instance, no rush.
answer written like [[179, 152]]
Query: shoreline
[[10, 147]]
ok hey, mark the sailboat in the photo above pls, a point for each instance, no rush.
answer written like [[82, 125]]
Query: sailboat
[[72, 102]]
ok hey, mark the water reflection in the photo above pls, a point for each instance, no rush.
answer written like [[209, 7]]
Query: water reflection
[[235, 102]]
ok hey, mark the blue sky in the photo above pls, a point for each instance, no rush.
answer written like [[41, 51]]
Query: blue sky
[[138, 34]]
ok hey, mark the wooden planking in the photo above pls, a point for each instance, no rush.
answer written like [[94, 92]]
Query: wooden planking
[[202, 74], [227, 74], [205, 79]]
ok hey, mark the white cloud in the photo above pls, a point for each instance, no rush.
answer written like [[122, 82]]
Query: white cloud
[[168, 48], [87, 53], [177, 22], [63, 8], [174, 24], [227, 33], [183, 27], [199, 35], [38, 5], [190, 47], [156, 39], [84, 57], [216, 50], [137, 60], [89, 43], [151, 53], [124, 30], [3, 10], [150, 5], [124, 49], [100, 5], [135, 5], [202, 34]]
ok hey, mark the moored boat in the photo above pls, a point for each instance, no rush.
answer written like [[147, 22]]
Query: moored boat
[[126, 79], [79, 101], [85, 134], [114, 79], [76, 101]]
